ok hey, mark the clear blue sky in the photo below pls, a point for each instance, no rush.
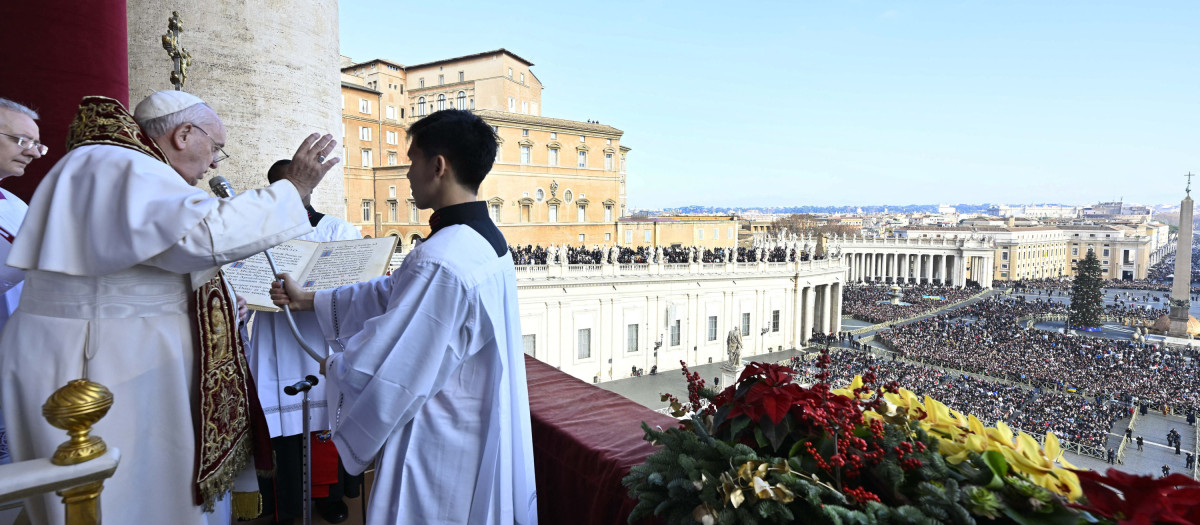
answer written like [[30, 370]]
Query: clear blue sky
[[848, 102]]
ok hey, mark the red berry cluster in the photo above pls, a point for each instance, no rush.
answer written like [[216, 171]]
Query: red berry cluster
[[861, 495], [696, 404]]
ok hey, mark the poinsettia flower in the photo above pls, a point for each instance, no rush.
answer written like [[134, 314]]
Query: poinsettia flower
[[1141, 500]]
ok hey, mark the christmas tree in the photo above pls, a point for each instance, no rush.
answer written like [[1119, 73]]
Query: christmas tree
[[1087, 293]]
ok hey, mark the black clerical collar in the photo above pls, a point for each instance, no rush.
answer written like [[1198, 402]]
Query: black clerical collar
[[472, 214], [314, 216]]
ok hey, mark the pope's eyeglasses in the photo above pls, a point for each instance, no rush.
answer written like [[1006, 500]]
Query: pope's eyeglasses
[[222, 155]]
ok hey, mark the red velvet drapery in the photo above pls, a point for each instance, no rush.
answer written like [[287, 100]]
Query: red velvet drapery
[[52, 54]]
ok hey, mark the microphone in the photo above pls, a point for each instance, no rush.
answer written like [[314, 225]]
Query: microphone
[[221, 187]]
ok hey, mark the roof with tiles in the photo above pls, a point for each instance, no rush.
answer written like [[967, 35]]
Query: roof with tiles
[[547, 121]]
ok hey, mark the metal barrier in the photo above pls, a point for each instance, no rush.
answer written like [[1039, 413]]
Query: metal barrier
[[1034, 319], [1196, 456], [1126, 439]]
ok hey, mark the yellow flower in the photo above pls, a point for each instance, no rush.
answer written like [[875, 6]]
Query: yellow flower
[[849, 390], [960, 435]]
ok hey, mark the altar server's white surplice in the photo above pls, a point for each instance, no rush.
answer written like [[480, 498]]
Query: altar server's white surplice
[[432, 384], [109, 240], [277, 361]]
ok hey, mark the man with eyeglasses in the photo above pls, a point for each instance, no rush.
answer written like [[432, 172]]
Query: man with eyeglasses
[[121, 253], [18, 147], [21, 145]]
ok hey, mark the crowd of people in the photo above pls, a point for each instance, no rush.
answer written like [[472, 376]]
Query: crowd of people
[[536, 254], [870, 303], [984, 338], [1034, 411]]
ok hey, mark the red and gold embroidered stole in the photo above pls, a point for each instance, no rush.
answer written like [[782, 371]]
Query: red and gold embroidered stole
[[231, 421]]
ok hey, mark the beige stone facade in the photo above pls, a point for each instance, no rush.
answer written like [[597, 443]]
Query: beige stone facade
[[1039, 252], [1122, 252], [554, 181], [685, 230]]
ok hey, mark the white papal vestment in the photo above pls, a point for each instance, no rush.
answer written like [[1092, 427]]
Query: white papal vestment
[[109, 240], [431, 383]]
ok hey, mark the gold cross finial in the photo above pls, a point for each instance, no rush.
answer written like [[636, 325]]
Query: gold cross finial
[[180, 56]]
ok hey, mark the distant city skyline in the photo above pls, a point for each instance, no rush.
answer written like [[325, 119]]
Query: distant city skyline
[[833, 104]]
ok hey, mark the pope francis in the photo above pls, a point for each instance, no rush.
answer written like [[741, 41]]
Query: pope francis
[[121, 253]]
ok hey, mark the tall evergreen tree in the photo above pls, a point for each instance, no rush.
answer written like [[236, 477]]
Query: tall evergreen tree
[[1087, 293]]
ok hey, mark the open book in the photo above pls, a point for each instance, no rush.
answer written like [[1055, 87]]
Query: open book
[[313, 265]]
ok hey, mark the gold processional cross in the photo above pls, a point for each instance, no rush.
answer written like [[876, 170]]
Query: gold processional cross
[[178, 54]]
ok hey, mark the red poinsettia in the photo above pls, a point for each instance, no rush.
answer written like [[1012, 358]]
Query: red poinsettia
[[1138, 500], [772, 392]]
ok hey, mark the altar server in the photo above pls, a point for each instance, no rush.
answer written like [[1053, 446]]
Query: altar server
[[429, 378]]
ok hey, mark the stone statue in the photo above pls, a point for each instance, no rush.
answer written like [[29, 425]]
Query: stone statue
[[613, 254], [658, 254], [733, 347], [692, 254], [729, 255]]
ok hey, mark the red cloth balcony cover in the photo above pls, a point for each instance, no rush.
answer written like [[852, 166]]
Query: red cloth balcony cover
[[585, 439]]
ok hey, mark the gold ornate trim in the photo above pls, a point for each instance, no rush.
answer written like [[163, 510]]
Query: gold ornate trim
[[75, 408], [102, 120]]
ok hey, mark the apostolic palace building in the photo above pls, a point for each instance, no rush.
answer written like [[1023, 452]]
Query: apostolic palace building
[[563, 182]]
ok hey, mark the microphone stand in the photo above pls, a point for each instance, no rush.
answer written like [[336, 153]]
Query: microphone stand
[[224, 189], [303, 387]]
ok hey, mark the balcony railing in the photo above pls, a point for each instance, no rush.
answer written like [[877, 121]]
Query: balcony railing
[[573, 271]]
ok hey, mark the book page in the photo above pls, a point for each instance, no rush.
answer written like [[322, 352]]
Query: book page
[[337, 263], [251, 277]]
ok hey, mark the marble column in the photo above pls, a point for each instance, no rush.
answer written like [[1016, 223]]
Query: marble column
[[797, 316], [273, 79], [837, 307], [827, 308], [810, 297]]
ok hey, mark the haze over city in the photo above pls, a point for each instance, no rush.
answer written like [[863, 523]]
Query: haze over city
[[781, 104]]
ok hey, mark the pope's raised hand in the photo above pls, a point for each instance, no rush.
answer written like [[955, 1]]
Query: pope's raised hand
[[311, 162], [289, 294]]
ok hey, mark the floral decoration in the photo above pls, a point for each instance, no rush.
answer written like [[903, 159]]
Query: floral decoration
[[769, 450]]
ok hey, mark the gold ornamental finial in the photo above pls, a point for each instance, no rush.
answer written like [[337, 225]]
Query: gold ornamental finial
[[75, 408], [180, 56]]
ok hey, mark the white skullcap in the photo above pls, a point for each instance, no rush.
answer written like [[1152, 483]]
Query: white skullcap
[[163, 103]]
